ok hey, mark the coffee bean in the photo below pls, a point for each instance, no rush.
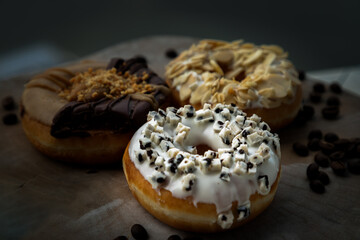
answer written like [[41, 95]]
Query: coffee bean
[[354, 165], [300, 149], [121, 238], [333, 101], [319, 87], [351, 150], [324, 178], [308, 111], [302, 75], [331, 137], [171, 53], [315, 97], [336, 88], [313, 144], [338, 167], [193, 238], [341, 144], [326, 147], [330, 113], [355, 140], [174, 237], [322, 160], [316, 133], [139, 232], [312, 171], [337, 156], [92, 171], [10, 119], [141, 59], [317, 186], [8, 103]]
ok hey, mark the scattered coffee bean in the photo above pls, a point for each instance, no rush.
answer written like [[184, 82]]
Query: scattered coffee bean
[[324, 178], [317, 186], [337, 156], [315, 134], [171, 53], [336, 88], [338, 167], [322, 160], [354, 165], [174, 237], [121, 238], [305, 114], [139, 232], [352, 148], [193, 238], [302, 75], [92, 171], [315, 97], [355, 140], [341, 144], [8, 103], [313, 144], [300, 119], [330, 113], [10, 119], [312, 171], [308, 111], [141, 58], [331, 137], [319, 87], [300, 149], [326, 147], [333, 101]]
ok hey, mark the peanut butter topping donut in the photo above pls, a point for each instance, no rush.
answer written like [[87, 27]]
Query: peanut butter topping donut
[[226, 185], [88, 111], [258, 79]]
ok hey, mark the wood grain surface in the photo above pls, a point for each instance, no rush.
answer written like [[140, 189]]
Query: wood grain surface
[[44, 199]]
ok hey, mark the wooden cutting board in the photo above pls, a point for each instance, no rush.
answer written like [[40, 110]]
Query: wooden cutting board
[[44, 199]]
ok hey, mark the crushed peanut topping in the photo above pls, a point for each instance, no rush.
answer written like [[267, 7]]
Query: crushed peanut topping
[[94, 85]]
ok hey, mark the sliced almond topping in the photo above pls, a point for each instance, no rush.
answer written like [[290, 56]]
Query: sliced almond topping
[[216, 67]]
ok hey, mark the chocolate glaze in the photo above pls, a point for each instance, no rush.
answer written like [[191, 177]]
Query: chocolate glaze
[[119, 115]]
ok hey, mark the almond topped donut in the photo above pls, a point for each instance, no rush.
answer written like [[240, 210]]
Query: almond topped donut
[[258, 79], [87, 112], [205, 171]]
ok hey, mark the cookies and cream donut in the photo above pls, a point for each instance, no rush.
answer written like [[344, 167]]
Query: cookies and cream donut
[[87, 112], [258, 79], [205, 171]]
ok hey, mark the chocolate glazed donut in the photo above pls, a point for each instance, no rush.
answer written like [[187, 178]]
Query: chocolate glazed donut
[[93, 130], [77, 118]]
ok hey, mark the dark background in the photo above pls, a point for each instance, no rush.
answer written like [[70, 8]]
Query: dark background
[[317, 35]]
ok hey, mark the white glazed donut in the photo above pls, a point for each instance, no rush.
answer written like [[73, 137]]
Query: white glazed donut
[[229, 184]]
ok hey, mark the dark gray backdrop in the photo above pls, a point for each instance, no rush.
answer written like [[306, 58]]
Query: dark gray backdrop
[[317, 35]]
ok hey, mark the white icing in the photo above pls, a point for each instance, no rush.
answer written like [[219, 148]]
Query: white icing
[[226, 179]]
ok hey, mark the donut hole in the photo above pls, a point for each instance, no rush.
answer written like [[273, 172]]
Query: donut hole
[[202, 148], [224, 60]]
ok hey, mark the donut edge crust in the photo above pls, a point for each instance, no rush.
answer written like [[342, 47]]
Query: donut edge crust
[[182, 213], [102, 147], [285, 113]]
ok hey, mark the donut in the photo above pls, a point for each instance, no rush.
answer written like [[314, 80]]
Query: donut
[[258, 79], [204, 171], [87, 112]]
